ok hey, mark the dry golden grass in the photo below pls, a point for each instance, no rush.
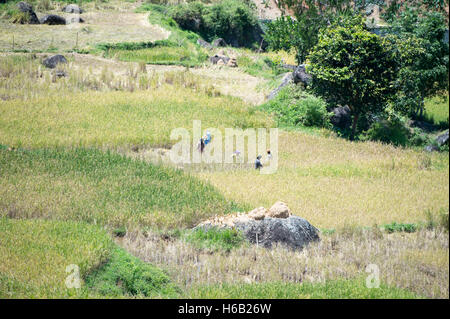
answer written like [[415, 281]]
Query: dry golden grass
[[417, 262], [332, 182], [109, 22]]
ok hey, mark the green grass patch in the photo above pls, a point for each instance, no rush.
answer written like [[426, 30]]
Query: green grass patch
[[437, 110], [338, 289], [260, 66], [400, 227], [103, 188], [172, 54], [127, 276], [215, 239], [34, 255]]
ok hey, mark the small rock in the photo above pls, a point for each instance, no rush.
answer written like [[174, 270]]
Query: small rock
[[279, 210], [258, 213], [60, 73], [75, 20], [219, 58], [53, 19], [232, 63], [300, 75], [72, 8], [54, 60]]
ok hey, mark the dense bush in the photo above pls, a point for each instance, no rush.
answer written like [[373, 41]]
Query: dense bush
[[387, 131], [388, 127], [232, 20], [294, 107]]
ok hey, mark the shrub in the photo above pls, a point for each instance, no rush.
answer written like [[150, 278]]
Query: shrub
[[294, 107], [400, 227], [127, 275], [387, 131], [232, 20]]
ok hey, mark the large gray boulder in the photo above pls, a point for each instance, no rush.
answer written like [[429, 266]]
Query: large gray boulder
[[300, 75], [293, 232], [342, 117], [72, 8], [28, 9], [53, 61], [53, 19]]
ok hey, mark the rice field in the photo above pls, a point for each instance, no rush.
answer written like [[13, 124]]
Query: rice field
[[80, 175], [104, 23], [335, 183]]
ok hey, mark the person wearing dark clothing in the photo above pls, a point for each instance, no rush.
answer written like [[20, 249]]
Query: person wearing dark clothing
[[258, 164], [201, 145]]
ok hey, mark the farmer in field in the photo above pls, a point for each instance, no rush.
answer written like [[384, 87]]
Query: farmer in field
[[205, 140], [201, 145], [258, 164]]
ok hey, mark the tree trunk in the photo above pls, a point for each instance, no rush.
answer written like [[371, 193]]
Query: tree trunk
[[355, 121]]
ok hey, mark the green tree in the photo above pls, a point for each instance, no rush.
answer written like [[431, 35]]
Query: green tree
[[419, 46], [351, 66], [309, 17]]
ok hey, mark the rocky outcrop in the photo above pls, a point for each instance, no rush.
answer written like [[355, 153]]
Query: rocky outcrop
[[221, 59], [53, 19], [440, 141], [287, 79], [28, 9], [268, 227], [300, 75], [219, 43], [53, 61], [204, 44]]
